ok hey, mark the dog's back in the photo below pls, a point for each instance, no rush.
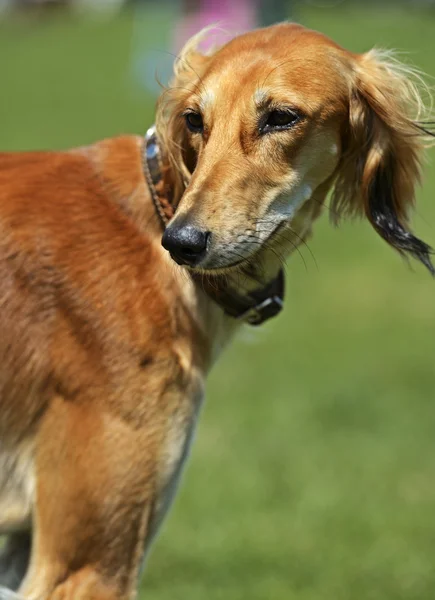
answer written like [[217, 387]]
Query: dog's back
[[67, 254]]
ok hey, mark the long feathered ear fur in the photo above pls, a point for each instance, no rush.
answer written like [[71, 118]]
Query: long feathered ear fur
[[189, 67], [382, 151]]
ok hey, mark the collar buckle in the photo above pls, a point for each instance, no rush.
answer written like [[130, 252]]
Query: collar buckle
[[268, 308]]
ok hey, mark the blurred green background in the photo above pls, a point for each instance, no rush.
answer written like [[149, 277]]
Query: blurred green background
[[313, 471]]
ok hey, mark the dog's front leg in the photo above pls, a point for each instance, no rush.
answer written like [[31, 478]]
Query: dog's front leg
[[96, 481]]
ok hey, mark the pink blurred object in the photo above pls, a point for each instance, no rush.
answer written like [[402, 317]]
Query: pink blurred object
[[229, 17]]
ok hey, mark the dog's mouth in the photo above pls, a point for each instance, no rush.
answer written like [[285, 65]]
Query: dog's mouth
[[245, 265]]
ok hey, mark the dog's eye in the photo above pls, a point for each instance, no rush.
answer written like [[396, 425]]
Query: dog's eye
[[194, 122], [277, 120]]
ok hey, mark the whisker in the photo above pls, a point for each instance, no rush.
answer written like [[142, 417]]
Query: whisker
[[300, 238], [277, 240]]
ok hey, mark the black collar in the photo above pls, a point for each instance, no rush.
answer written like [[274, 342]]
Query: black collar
[[255, 307]]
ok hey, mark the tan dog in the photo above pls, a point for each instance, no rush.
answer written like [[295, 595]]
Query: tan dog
[[105, 342]]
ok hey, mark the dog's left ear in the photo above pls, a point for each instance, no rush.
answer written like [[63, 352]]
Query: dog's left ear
[[181, 159], [382, 152]]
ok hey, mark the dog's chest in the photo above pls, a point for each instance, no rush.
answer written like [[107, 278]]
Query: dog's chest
[[17, 486], [173, 454]]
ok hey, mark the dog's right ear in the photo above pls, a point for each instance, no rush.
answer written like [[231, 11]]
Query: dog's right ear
[[181, 158], [382, 151]]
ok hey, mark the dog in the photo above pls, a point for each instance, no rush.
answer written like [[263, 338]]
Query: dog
[[127, 266]]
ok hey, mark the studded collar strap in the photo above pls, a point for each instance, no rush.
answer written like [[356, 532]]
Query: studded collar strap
[[255, 307], [152, 166]]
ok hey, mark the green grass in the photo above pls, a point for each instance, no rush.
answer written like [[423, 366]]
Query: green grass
[[313, 472]]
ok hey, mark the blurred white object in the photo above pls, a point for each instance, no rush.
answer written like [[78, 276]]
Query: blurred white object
[[5, 6]]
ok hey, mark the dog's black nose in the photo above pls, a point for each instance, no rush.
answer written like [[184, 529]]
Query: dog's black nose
[[186, 244]]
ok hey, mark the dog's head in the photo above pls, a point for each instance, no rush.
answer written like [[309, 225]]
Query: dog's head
[[258, 133]]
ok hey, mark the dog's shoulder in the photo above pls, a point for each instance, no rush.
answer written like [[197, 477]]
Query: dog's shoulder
[[76, 184], [107, 162], [118, 163]]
